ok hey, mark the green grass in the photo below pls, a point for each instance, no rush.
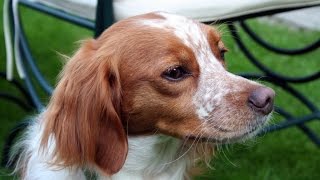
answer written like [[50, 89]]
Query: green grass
[[286, 154]]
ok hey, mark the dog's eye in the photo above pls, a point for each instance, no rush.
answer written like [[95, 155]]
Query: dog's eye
[[175, 73], [222, 53]]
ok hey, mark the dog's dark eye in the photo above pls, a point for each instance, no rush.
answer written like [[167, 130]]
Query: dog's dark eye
[[222, 53], [175, 73]]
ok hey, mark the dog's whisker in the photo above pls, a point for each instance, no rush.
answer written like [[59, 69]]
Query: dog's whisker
[[181, 156]]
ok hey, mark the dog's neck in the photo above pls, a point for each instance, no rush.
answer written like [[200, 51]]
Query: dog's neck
[[154, 157]]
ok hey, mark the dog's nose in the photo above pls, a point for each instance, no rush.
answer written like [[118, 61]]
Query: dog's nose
[[261, 100]]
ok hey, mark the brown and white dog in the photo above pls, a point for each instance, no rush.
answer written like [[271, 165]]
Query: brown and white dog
[[138, 101]]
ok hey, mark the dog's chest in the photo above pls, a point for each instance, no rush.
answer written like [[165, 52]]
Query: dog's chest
[[154, 157]]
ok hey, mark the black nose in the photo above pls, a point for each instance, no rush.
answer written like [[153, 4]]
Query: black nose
[[261, 100]]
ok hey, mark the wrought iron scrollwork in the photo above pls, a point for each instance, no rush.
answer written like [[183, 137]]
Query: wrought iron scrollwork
[[282, 81]]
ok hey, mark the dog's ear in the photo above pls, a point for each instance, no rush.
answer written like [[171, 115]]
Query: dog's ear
[[83, 115]]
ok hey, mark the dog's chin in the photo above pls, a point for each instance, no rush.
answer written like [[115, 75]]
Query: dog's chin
[[240, 137], [245, 134], [236, 136]]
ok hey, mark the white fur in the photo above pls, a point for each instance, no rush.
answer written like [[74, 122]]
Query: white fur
[[157, 157], [153, 157], [34, 164]]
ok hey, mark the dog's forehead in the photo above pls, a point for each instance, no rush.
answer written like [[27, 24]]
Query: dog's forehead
[[186, 29], [191, 33]]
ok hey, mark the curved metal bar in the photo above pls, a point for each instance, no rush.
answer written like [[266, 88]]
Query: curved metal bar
[[266, 45], [311, 135], [300, 96], [20, 88], [282, 112], [33, 94], [59, 14], [286, 87], [266, 70], [27, 80], [257, 14], [298, 122], [294, 121], [24, 48], [10, 141], [33, 67], [30, 88], [15, 100]]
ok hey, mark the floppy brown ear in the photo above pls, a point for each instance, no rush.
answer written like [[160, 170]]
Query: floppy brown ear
[[84, 113]]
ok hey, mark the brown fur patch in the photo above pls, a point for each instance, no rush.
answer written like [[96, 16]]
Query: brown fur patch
[[84, 113]]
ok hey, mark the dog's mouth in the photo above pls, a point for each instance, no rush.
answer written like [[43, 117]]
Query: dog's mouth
[[225, 140], [227, 136]]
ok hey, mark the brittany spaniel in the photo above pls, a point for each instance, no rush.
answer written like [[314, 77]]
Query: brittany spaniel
[[142, 101]]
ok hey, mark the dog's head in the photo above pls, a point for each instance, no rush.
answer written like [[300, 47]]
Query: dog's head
[[154, 73]]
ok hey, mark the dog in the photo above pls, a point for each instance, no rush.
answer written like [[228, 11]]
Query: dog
[[139, 101]]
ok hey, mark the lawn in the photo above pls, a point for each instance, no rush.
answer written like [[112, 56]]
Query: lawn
[[286, 154]]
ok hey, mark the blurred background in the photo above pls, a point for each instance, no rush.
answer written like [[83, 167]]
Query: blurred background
[[286, 154]]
